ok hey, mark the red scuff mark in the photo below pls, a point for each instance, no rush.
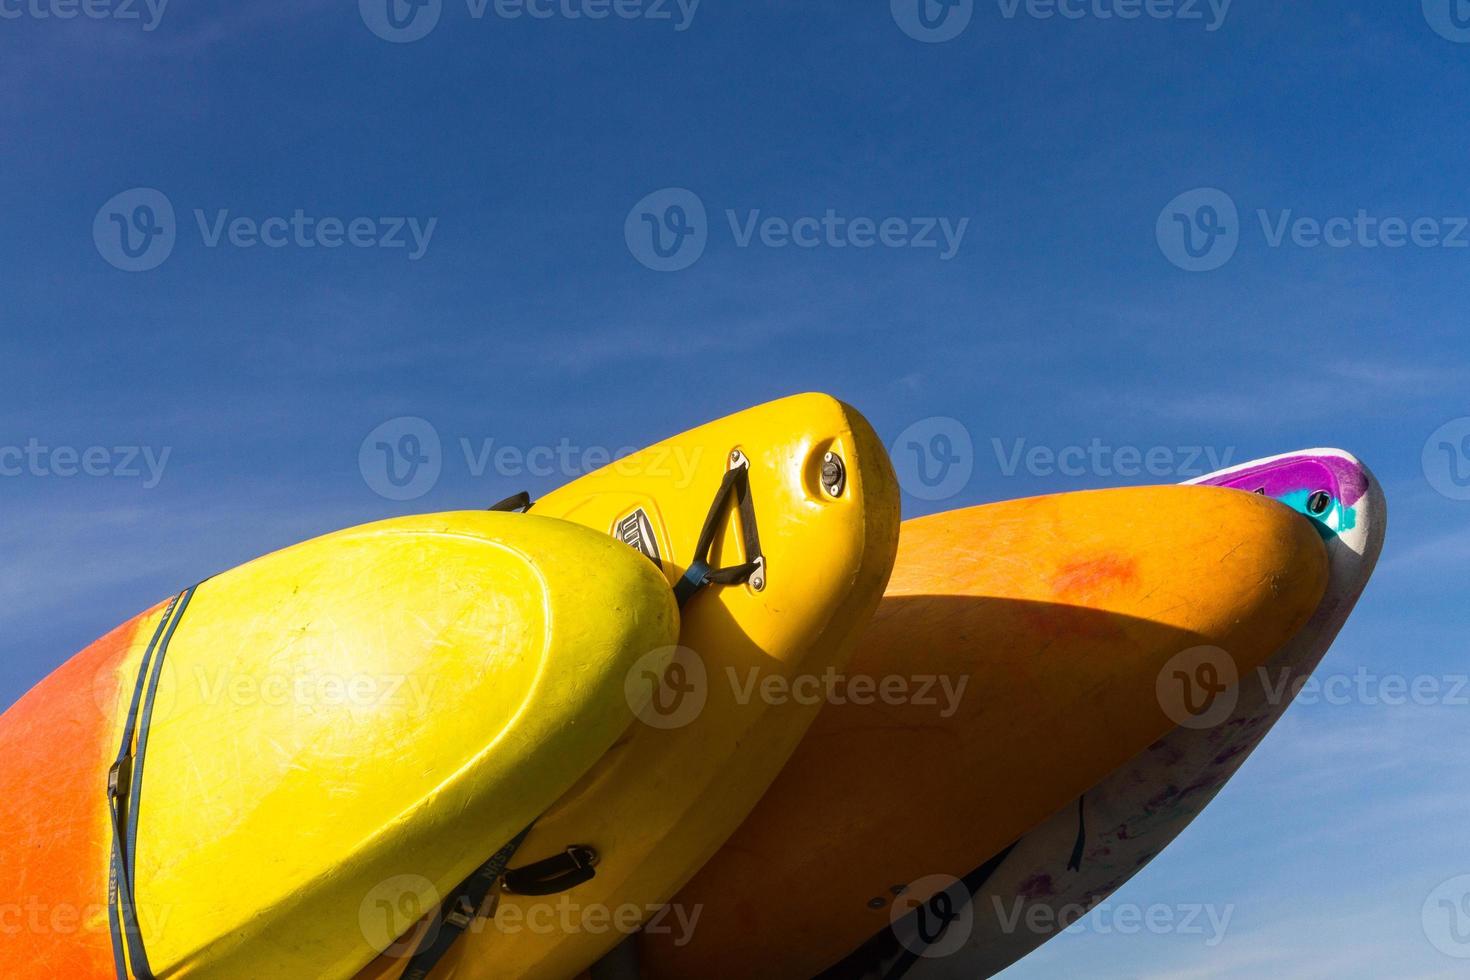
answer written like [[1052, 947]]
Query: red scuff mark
[[1037, 886], [1092, 575]]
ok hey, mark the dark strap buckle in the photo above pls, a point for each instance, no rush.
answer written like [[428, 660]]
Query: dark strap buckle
[[567, 870], [461, 915]]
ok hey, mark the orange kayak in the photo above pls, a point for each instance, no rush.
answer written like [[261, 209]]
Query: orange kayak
[[1085, 609]]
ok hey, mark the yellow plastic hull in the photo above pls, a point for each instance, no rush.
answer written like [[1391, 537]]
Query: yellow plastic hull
[[342, 731], [665, 798]]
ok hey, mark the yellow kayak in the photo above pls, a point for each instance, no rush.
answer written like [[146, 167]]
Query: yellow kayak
[[335, 735], [1027, 649], [815, 530]]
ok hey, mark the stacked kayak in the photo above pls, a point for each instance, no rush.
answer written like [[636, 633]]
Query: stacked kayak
[[1143, 806], [278, 838], [817, 481], [1062, 612], [506, 743], [219, 785]]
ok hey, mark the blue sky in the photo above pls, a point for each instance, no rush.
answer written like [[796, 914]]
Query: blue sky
[[1054, 149]]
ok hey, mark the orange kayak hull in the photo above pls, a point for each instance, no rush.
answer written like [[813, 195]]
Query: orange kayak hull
[[1072, 608]]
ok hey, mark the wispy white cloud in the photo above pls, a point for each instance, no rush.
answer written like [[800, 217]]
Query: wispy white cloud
[[1262, 400], [1401, 378], [56, 552], [1325, 846], [1450, 549], [56, 54]]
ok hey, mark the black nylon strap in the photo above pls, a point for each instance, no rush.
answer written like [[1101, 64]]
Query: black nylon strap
[[458, 910], [974, 881], [556, 874], [123, 808], [885, 953], [736, 485], [519, 502], [1075, 863], [115, 777]]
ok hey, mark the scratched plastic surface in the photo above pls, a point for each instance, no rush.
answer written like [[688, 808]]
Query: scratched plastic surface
[[671, 792], [1061, 612], [1138, 810], [401, 697]]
